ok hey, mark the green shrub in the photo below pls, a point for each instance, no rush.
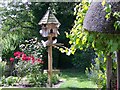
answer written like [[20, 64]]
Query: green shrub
[[26, 67], [41, 80], [32, 47], [97, 75], [10, 43], [37, 80], [2, 81], [83, 59], [55, 79], [11, 80], [29, 60], [2, 68]]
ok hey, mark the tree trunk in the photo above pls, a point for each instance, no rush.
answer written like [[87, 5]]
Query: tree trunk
[[109, 71], [118, 70]]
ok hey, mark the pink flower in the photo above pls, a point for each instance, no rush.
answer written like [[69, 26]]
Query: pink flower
[[12, 59]]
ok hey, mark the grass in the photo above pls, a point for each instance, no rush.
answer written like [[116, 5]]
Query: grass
[[75, 79]]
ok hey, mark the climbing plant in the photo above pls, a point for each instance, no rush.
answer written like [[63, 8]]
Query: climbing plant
[[80, 38], [104, 44]]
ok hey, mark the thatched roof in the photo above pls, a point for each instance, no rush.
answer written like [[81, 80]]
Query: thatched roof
[[95, 18], [49, 17]]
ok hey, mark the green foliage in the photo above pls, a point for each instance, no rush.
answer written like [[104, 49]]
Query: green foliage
[[24, 68], [102, 43], [115, 15], [32, 79], [97, 75], [10, 43], [9, 81], [38, 79], [64, 11], [83, 59], [77, 37], [108, 11], [16, 25], [17, 17], [80, 38], [33, 47], [55, 79], [2, 68], [117, 25], [117, 22], [22, 20]]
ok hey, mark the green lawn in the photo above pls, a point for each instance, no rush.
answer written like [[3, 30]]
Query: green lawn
[[75, 79]]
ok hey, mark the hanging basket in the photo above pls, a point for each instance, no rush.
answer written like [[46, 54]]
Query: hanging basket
[[95, 18]]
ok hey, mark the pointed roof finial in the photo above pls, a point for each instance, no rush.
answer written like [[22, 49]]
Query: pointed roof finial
[[49, 17]]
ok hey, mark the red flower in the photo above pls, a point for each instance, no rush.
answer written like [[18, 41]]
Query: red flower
[[28, 58], [40, 61], [22, 52], [17, 53], [25, 57], [12, 59], [33, 59], [18, 56]]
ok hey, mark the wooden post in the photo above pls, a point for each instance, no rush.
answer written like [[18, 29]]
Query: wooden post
[[118, 70], [109, 72], [50, 62]]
